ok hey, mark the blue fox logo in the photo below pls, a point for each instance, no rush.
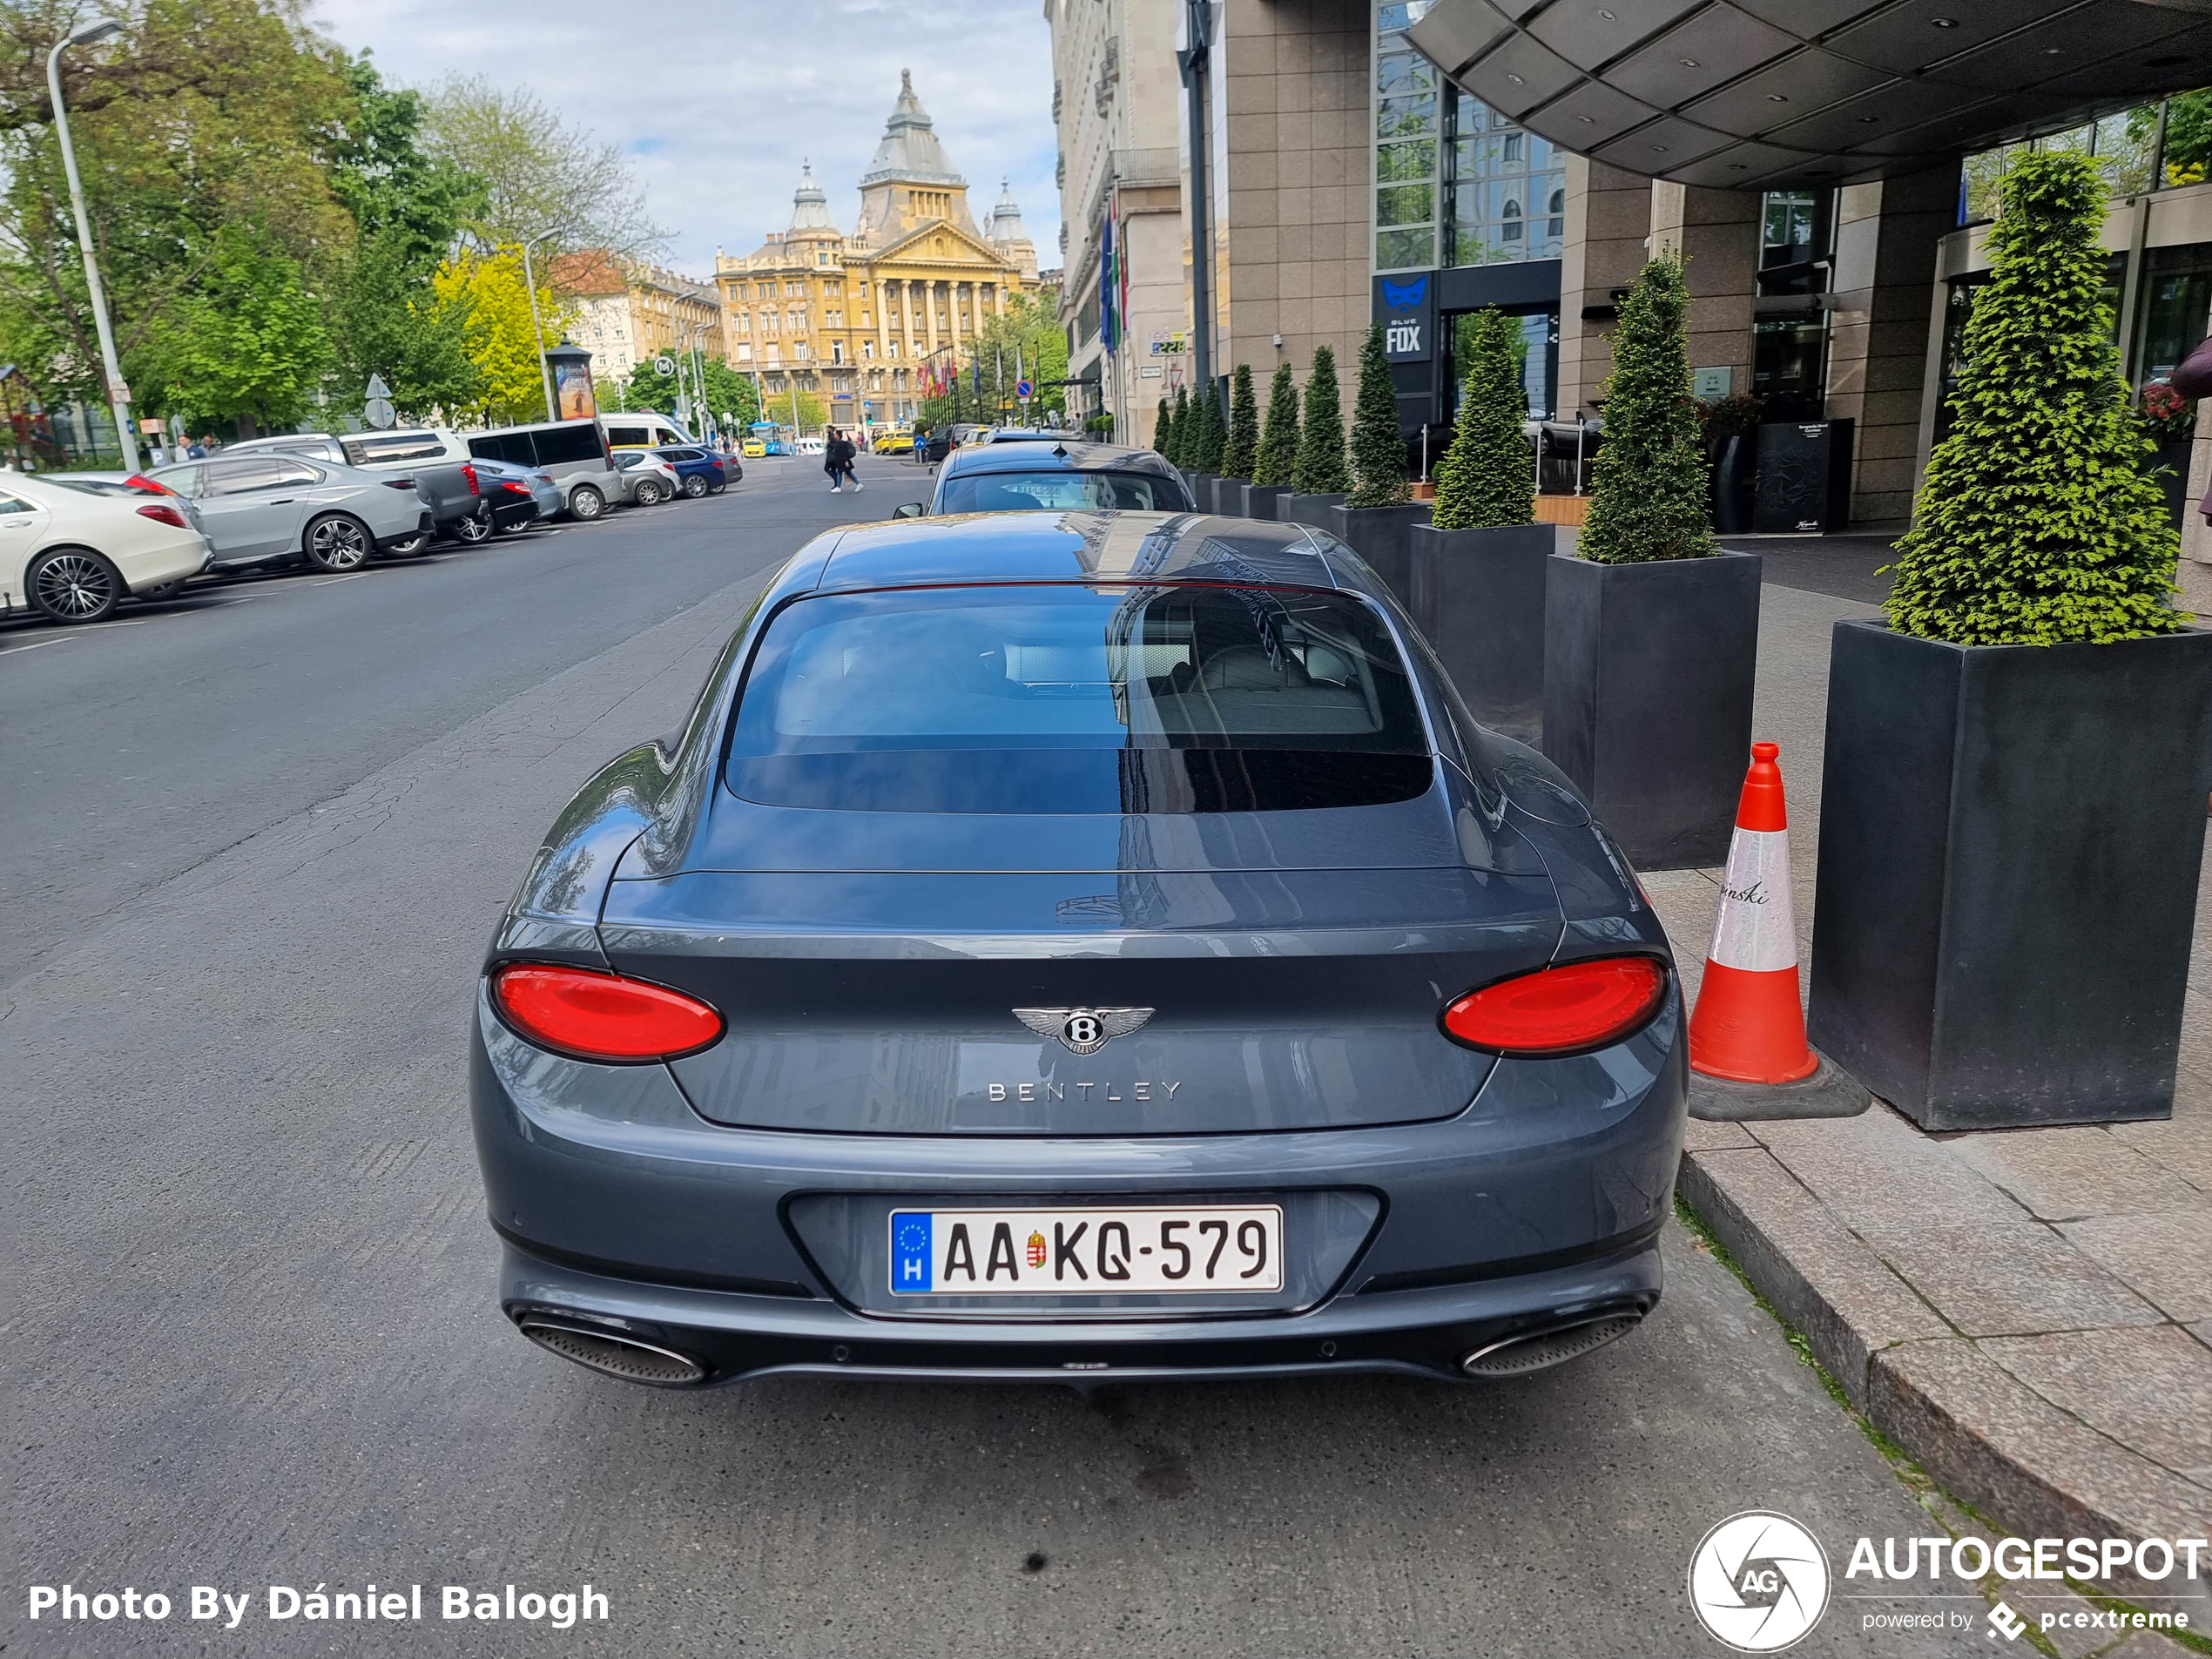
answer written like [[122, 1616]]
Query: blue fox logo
[[1404, 296]]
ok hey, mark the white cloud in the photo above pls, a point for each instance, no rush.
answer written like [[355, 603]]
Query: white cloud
[[717, 106]]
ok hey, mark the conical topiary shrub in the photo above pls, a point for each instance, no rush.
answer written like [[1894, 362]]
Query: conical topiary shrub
[[1320, 469], [1650, 497], [1279, 438], [1486, 478], [1210, 432], [1241, 453], [1164, 431], [2039, 522], [1178, 447], [1378, 446]]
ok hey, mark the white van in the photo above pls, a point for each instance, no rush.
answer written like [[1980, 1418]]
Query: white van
[[643, 431]]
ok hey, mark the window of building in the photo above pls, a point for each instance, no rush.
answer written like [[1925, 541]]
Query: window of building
[[2174, 299], [836, 319], [837, 351], [799, 351], [867, 349], [1789, 334], [1407, 115], [744, 353]]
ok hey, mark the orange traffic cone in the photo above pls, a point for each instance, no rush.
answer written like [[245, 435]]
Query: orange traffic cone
[[1749, 1026]]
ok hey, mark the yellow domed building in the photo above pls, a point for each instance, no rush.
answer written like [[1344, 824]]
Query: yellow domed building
[[858, 319]]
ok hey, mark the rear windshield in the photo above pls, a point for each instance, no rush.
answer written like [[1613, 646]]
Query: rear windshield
[[1023, 492], [411, 446], [1068, 700]]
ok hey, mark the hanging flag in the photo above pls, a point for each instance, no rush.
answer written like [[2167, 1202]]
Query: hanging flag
[[1109, 284]]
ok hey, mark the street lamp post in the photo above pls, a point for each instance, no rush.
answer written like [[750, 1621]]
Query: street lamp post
[[119, 393], [544, 369]]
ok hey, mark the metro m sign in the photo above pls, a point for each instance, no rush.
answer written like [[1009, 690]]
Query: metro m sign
[[1406, 308]]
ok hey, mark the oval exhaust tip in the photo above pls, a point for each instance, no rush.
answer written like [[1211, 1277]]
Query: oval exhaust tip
[[1517, 1356], [613, 1354]]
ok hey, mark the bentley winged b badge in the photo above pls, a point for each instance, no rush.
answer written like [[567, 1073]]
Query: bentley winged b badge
[[1083, 1030]]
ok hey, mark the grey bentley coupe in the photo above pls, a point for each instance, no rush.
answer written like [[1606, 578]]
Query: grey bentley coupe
[[1077, 948]]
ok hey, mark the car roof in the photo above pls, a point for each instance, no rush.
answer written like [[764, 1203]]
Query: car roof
[[1062, 458], [1083, 546]]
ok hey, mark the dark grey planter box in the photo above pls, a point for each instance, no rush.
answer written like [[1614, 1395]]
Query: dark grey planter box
[[1306, 509], [1259, 500], [1478, 595], [1202, 486], [1383, 536], [1648, 673], [2010, 842]]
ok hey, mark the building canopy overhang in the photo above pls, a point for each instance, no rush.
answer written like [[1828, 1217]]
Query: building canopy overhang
[[1769, 94]]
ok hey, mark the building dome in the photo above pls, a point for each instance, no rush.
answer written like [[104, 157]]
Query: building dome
[[809, 209], [1006, 218]]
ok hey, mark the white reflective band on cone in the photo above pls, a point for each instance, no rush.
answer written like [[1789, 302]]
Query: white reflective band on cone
[[1755, 930]]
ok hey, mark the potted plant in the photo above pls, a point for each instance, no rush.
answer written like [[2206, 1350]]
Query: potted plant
[[1241, 451], [1278, 451], [2018, 756], [1650, 631], [1202, 449], [1479, 564], [1318, 480], [1378, 511], [1731, 447], [2171, 419]]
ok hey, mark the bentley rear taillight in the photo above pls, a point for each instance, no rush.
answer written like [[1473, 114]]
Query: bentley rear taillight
[[594, 1015], [1566, 1009]]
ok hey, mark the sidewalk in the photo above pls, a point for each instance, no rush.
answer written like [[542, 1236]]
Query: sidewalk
[[2027, 1313]]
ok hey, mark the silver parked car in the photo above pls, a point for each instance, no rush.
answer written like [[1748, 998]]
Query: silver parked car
[[270, 508], [646, 477]]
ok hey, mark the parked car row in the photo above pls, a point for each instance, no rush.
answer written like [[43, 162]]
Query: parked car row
[[73, 545]]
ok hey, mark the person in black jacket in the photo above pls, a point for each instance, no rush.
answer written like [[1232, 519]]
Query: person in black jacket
[[833, 460]]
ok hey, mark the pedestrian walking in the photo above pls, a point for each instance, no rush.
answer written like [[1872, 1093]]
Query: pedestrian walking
[[833, 460], [847, 451]]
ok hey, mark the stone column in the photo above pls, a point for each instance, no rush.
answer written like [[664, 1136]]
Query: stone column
[[951, 312], [1881, 332], [1716, 232], [1609, 225], [929, 311], [882, 322]]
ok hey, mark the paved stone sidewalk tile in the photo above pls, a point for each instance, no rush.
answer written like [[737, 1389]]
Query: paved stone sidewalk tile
[[2182, 1145], [2167, 1256], [1985, 1437], [2150, 1389], [2203, 1332], [2065, 1174], [1818, 1277], [1700, 1137], [1878, 1173], [2008, 1278], [2147, 1645]]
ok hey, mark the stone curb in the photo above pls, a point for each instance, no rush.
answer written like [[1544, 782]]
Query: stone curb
[[1978, 1431]]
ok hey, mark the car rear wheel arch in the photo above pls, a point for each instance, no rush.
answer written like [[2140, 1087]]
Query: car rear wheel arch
[[337, 542], [73, 584]]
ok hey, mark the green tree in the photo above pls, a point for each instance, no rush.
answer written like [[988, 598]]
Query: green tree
[[1027, 341], [1240, 455], [1378, 446], [1278, 439], [1179, 431], [2039, 522], [540, 177], [1320, 469], [1212, 432], [1486, 478], [246, 345], [386, 319], [1163, 430], [731, 397], [1651, 496]]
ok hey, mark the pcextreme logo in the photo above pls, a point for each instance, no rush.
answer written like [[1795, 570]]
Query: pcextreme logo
[[1758, 1581]]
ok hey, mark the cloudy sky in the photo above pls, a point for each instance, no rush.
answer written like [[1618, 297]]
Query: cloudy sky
[[717, 105]]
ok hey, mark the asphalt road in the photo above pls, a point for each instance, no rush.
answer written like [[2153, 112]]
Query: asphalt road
[[250, 1335]]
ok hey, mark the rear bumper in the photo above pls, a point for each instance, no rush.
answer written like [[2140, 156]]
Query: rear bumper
[[422, 526], [1538, 1205], [1412, 1332]]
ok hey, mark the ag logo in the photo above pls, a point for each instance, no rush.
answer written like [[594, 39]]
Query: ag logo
[[1083, 1030], [1758, 1581]]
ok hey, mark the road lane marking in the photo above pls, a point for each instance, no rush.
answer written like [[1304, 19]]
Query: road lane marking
[[328, 580]]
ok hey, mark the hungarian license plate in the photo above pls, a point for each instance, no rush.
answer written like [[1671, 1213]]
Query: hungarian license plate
[[1098, 1251]]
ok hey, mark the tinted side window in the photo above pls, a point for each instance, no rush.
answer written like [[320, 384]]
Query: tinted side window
[[294, 473], [15, 504], [392, 446], [504, 446], [186, 481], [237, 477], [619, 436], [559, 444]]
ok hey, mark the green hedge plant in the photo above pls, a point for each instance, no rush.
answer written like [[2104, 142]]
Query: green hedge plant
[[1487, 477], [1378, 446], [1179, 429], [1209, 433], [1320, 469], [1241, 454], [1650, 497], [2039, 522], [1163, 431], [1279, 438]]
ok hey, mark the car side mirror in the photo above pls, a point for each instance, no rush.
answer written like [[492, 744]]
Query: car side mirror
[[907, 509]]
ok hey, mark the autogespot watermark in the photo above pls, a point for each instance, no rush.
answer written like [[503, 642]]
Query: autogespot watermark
[[287, 1603], [1759, 1581]]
